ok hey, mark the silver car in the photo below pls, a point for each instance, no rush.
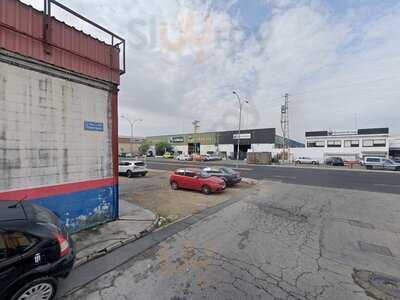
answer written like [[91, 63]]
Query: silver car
[[391, 165], [381, 163]]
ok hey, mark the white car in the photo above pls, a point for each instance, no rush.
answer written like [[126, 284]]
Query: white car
[[184, 157], [381, 163], [307, 160], [131, 168]]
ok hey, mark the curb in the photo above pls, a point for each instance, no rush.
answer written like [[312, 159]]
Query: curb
[[118, 244], [249, 180]]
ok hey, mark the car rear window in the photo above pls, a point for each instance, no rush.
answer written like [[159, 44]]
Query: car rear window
[[42, 215], [3, 247], [18, 242]]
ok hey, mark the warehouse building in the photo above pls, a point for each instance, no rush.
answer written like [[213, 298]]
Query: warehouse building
[[349, 145], [128, 146], [59, 114], [224, 142]]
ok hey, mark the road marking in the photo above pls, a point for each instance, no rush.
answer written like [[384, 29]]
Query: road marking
[[388, 185], [284, 177], [196, 165]]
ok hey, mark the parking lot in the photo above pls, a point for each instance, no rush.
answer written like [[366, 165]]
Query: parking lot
[[335, 177], [280, 241], [154, 192]]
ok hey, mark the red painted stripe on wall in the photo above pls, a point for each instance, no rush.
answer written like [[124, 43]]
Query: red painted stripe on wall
[[55, 190]]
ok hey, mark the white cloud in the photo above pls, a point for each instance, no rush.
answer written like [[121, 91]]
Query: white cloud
[[302, 46]]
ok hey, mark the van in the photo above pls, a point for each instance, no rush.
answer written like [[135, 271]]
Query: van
[[374, 162]]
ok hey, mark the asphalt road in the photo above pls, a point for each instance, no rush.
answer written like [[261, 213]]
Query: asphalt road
[[381, 181], [279, 241]]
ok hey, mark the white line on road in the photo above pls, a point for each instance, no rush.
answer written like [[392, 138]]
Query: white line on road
[[284, 177], [195, 165], [388, 185]]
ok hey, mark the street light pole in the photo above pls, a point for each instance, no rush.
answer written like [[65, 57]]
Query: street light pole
[[240, 124], [132, 124]]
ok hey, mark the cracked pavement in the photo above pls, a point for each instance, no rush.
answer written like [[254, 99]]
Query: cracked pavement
[[281, 241]]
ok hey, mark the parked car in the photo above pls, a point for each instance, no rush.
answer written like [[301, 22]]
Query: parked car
[[197, 180], [198, 157], [212, 157], [184, 157], [168, 155], [334, 161], [131, 168], [306, 160], [381, 163], [396, 159], [231, 177], [391, 165], [35, 250]]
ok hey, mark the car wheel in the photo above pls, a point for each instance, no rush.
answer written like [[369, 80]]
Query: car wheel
[[369, 167], [206, 190], [314, 163], [129, 174], [42, 288], [174, 185]]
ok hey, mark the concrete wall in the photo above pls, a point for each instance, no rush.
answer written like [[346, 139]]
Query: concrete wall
[[262, 148], [228, 148], [207, 148], [46, 154], [183, 148]]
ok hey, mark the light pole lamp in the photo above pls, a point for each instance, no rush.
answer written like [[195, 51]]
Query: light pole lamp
[[132, 124], [241, 102]]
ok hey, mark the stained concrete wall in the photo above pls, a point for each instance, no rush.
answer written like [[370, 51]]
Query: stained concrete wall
[[42, 136], [47, 154]]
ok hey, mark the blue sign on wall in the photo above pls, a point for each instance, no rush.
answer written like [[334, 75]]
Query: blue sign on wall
[[93, 126]]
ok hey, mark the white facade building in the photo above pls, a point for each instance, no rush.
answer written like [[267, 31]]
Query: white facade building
[[349, 145]]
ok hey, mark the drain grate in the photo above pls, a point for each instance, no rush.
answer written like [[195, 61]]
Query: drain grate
[[373, 248], [377, 285]]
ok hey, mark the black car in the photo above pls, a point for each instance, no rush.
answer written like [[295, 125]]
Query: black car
[[230, 176], [35, 250], [334, 161]]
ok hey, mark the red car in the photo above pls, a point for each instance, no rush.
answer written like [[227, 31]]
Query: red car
[[197, 180]]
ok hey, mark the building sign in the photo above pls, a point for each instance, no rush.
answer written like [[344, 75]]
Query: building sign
[[243, 136], [176, 139], [93, 126]]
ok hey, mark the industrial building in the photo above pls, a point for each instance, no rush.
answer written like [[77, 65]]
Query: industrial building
[[59, 114], [224, 142], [350, 145], [128, 145]]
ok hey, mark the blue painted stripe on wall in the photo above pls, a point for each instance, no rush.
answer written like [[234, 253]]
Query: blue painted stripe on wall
[[84, 209]]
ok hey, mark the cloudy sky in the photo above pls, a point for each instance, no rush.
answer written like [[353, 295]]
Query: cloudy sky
[[339, 60]]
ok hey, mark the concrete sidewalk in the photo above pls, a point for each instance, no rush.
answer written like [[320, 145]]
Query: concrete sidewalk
[[134, 222]]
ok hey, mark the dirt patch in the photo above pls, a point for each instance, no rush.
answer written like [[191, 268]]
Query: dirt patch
[[154, 192]]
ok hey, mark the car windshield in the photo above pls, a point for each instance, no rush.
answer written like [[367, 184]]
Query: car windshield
[[204, 174], [228, 170]]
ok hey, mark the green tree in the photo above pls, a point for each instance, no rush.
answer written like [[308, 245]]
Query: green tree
[[162, 147], [144, 147]]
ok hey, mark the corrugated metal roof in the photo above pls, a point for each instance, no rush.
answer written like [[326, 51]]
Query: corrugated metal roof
[[22, 31]]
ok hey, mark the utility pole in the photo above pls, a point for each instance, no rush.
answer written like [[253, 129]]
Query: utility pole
[[240, 123], [132, 124], [285, 128], [196, 126]]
